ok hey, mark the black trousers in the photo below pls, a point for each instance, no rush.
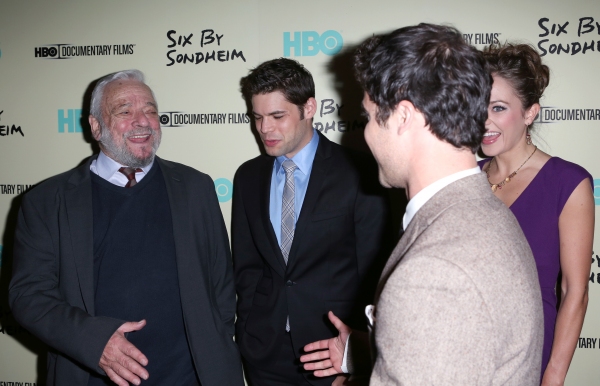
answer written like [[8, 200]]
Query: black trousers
[[287, 370]]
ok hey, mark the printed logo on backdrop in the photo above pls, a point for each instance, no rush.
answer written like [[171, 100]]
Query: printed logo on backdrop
[[325, 120], [551, 114], [311, 43], [595, 274], [69, 121], [14, 189], [17, 383], [179, 119], [569, 37], [589, 343], [206, 46], [482, 38], [224, 189], [592, 343], [9, 128], [70, 51]]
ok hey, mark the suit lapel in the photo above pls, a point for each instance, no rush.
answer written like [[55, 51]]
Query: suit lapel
[[184, 233], [177, 203], [275, 258], [79, 208], [320, 168]]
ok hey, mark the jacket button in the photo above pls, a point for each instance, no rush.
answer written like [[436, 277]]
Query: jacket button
[[289, 283]]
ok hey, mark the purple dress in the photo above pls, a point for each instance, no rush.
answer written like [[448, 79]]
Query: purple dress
[[537, 209]]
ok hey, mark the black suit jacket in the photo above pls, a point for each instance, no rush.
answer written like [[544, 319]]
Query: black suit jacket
[[337, 242], [51, 291]]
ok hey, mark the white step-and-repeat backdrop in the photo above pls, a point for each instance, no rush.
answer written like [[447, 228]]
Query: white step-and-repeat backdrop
[[195, 52]]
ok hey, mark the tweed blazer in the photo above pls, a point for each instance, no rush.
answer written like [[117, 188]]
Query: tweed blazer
[[459, 301]]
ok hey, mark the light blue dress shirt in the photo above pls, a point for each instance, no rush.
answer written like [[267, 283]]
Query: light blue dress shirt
[[304, 160]]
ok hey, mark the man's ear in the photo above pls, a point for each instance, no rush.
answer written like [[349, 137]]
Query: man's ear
[[402, 116], [531, 113], [310, 108], [96, 129]]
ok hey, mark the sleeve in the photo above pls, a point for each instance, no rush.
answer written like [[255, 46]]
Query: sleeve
[[247, 262], [570, 176], [221, 269], [36, 299]]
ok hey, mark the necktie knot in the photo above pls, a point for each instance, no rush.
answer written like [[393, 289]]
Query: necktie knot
[[130, 174], [289, 166]]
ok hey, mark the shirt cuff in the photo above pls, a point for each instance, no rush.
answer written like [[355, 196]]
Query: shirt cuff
[[344, 361]]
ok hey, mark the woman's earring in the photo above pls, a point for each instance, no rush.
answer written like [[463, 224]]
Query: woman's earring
[[528, 138]]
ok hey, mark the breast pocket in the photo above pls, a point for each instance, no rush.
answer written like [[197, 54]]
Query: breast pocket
[[322, 216]]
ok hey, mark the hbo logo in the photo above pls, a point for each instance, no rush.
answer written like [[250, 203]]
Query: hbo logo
[[44, 52], [224, 189], [310, 43]]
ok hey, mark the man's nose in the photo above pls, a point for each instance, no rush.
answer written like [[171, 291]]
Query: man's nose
[[264, 125], [140, 118]]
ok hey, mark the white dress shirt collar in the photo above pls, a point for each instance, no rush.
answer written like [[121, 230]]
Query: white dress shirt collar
[[429, 191], [108, 169]]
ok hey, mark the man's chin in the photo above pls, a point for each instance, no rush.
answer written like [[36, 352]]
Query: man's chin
[[273, 152], [133, 160], [383, 181], [142, 156], [143, 161]]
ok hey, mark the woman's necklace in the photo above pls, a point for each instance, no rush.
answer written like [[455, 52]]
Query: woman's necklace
[[510, 176]]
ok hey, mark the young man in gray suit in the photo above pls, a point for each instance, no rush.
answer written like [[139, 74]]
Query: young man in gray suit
[[458, 302], [122, 265]]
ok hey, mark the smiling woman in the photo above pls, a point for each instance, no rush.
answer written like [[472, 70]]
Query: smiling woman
[[551, 198]]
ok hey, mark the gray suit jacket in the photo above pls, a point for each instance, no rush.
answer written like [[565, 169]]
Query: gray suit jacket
[[52, 294], [459, 301]]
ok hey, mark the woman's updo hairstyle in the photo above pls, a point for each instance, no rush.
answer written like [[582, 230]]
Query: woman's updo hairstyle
[[522, 67]]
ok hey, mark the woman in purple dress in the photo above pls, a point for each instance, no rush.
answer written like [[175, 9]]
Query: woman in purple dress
[[551, 198]]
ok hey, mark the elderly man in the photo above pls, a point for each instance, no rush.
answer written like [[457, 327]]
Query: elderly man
[[458, 302], [122, 265]]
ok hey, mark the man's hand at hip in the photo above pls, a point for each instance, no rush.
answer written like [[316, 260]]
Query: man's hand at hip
[[329, 353], [121, 360]]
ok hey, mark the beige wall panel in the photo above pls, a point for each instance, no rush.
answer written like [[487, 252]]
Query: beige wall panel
[[38, 94]]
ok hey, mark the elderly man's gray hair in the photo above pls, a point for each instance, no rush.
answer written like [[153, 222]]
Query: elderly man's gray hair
[[98, 93]]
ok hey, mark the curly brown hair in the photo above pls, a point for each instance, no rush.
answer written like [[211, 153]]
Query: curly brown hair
[[521, 66], [437, 71]]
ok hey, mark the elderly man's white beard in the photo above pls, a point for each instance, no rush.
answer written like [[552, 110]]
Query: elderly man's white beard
[[122, 154]]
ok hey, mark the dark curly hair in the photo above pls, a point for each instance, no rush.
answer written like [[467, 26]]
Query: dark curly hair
[[521, 66], [287, 76], [432, 67]]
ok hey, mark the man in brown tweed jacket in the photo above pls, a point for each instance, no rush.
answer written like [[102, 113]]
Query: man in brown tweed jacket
[[458, 302]]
